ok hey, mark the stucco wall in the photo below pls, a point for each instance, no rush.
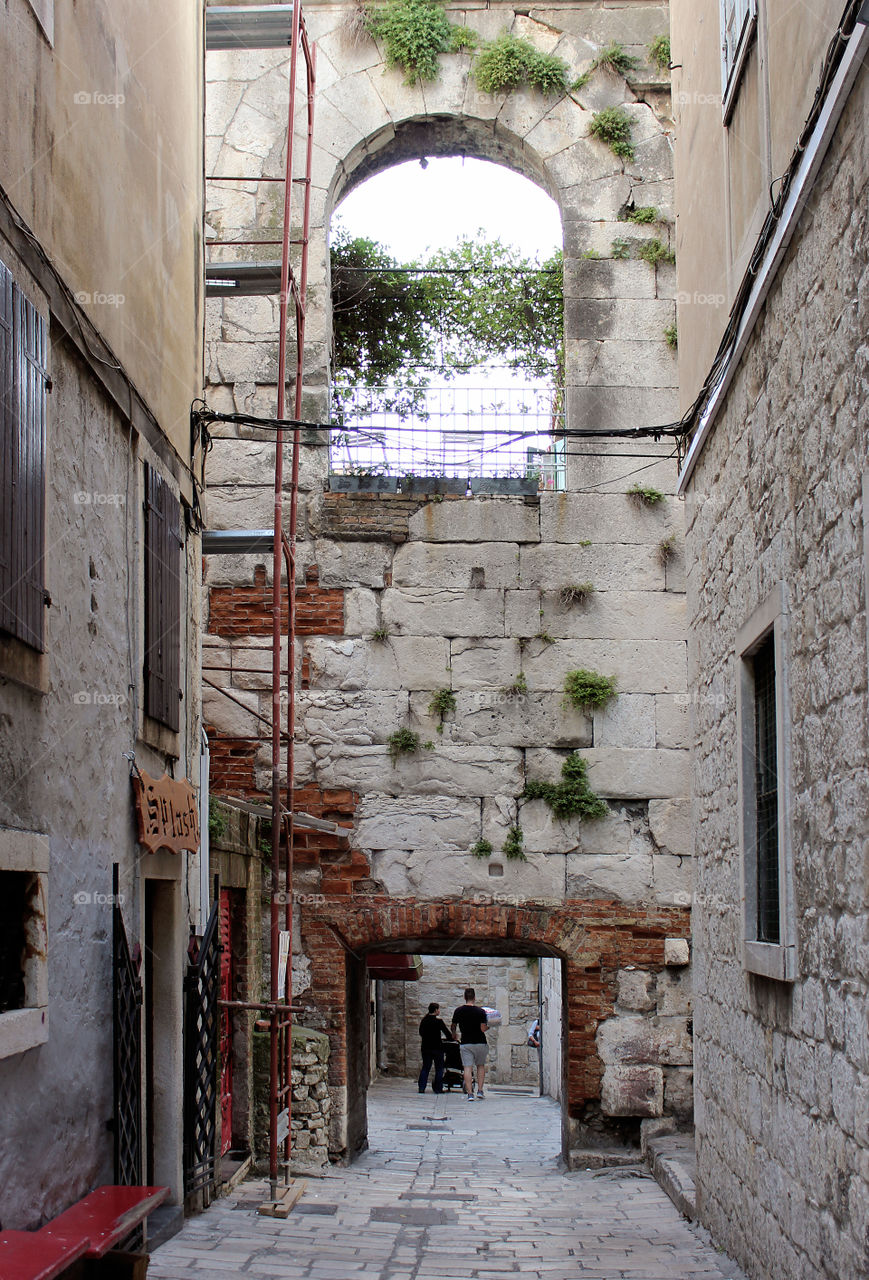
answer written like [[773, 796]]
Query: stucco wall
[[782, 1070], [100, 154]]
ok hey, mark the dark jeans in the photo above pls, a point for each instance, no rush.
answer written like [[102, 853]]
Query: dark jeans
[[430, 1056]]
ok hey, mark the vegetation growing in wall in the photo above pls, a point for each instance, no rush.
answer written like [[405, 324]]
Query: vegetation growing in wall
[[513, 847], [380, 634], [510, 63], [653, 252], [671, 336], [659, 52], [620, 248], [216, 820], [575, 593], [613, 57], [587, 690], [572, 797], [516, 688], [482, 849], [614, 126], [402, 742], [443, 701], [645, 495], [666, 549], [643, 215], [415, 33]]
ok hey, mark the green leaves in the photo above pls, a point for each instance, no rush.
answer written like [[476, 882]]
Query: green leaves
[[572, 797], [613, 126], [509, 63], [415, 32], [587, 689]]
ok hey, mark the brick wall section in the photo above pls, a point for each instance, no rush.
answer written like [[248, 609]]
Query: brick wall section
[[247, 611], [371, 517], [231, 771], [596, 938]]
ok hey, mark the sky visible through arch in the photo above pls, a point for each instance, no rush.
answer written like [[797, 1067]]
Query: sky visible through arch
[[412, 210]]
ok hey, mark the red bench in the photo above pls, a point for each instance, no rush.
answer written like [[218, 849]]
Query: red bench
[[89, 1229]]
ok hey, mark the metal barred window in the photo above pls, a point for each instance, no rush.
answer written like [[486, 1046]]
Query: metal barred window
[[163, 543], [23, 387], [766, 792]]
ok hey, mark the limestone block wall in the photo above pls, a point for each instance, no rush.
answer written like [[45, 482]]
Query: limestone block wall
[[506, 983], [779, 494], [312, 1104]]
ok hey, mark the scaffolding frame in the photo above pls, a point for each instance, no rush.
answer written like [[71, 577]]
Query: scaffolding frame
[[250, 27]]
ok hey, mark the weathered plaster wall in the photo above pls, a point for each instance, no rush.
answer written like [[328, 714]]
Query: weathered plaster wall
[[104, 121], [783, 1069], [507, 984]]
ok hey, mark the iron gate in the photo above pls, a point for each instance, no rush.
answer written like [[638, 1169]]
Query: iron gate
[[127, 1057], [202, 986]]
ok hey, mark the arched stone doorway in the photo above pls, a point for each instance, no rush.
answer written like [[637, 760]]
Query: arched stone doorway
[[596, 941]]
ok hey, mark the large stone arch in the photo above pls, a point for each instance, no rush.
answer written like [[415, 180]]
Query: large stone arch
[[597, 941]]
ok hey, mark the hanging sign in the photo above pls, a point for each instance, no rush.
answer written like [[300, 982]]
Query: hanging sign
[[167, 813]]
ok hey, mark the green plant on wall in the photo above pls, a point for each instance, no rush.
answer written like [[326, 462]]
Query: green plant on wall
[[613, 57], [575, 593], [516, 688], [513, 847], [216, 820], [620, 248], [614, 126], [645, 495], [482, 849], [588, 690], [671, 336], [654, 251], [510, 63], [443, 701], [644, 215], [659, 52], [402, 742], [572, 797], [415, 32], [666, 549]]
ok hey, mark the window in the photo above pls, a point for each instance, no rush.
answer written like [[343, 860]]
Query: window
[[738, 26], [23, 941], [163, 542], [23, 387], [769, 945]]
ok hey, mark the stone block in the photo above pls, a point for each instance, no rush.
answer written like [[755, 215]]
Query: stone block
[[632, 1091], [672, 720], [619, 406], [411, 822], [623, 773], [607, 279], [605, 517], [642, 666], [361, 718], [447, 770], [674, 993], [676, 952], [422, 612], [401, 662], [545, 833], [484, 663], [361, 612], [679, 1093], [629, 721], [559, 129], [609, 567], [673, 880], [623, 877], [477, 520], [636, 989], [616, 615], [670, 825], [618, 319], [460, 875], [522, 720], [352, 564], [630, 1041], [226, 715], [461, 566], [610, 834]]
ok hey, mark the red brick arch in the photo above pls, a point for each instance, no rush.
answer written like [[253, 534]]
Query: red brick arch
[[594, 939]]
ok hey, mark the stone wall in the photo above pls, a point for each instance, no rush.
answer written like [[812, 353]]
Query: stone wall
[[506, 983], [779, 494], [311, 1101]]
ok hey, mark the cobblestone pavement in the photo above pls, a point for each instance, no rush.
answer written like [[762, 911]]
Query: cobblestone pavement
[[451, 1190]]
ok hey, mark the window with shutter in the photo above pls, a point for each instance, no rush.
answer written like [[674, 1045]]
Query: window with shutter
[[738, 25], [23, 383], [163, 543]]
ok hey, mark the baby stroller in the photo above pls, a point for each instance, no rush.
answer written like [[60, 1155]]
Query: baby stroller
[[452, 1065]]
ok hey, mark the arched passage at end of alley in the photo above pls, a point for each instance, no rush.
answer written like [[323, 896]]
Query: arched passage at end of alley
[[594, 940]]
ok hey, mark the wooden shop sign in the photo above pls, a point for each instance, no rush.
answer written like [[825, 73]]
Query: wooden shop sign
[[167, 813]]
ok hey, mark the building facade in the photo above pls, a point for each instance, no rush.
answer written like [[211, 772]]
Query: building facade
[[100, 344], [775, 489]]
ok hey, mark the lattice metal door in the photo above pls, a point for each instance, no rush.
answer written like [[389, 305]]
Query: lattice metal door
[[202, 986], [128, 1058], [226, 993]]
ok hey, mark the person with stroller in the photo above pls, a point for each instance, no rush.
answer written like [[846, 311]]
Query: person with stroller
[[432, 1033]]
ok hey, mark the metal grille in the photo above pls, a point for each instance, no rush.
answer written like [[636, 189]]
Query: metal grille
[[162, 601], [128, 1059], [201, 1018], [23, 385], [766, 793]]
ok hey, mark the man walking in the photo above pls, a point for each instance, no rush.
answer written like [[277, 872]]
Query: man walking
[[473, 1024], [432, 1033]]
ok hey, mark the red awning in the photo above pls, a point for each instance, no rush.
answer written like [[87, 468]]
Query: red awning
[[394, 966]]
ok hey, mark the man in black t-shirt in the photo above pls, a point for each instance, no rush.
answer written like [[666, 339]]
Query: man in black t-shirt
[[432, 1033], [473, 1023]]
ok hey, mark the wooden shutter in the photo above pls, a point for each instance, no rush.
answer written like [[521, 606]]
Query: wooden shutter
[[163, 544], [23, 369]]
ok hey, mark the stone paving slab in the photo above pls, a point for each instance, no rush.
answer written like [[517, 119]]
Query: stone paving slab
[[479, 1196]]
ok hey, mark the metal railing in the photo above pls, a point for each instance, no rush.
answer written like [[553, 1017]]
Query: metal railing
[[466, 432]]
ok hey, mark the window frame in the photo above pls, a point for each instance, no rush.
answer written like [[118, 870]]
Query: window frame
[[163, 543], [25, 1028], [770, 959], [733, 60]]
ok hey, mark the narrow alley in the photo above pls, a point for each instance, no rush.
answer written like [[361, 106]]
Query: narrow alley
[[451, 1191]]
